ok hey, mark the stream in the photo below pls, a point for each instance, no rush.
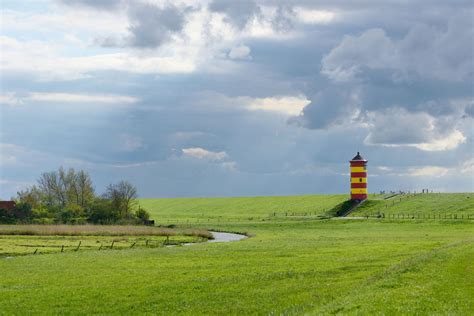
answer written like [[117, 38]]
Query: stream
[[226, 237]]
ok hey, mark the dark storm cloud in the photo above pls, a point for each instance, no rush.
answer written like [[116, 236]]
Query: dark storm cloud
[[151, 26], [238, 13], [332, 106], [409, 81]]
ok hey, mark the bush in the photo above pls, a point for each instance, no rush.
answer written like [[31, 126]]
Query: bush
[[142, 215]]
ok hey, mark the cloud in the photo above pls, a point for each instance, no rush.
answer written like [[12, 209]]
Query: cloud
[[330, 107], [240, 52], [201, 153], [45, 62], [151, 26], [71, 20], [398, 127], [96, 4], [467, 167], [237, 13], [311, 16], [424, 51], [76, 98], [428, 171], [10, 98], [289, 105]]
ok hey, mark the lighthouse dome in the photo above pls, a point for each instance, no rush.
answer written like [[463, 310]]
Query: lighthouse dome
[[358, 157]]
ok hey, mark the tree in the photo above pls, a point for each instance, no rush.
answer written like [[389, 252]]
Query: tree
[[85, 188], [122, 197], [142, 215], [32, 196], [63, 188], [68, 196]]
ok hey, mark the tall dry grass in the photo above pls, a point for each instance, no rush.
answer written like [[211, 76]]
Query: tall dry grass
[[99, 230]]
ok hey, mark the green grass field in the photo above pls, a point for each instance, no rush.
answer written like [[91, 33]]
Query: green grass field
[[237, 208], [289, 266], [432, 203]]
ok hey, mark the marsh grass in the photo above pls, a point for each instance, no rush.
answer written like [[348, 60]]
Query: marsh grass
[[99, 230]]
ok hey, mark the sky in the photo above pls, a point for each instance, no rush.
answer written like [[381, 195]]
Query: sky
[[238, 98]]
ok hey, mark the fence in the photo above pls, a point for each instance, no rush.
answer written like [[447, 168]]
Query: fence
[[420, 216], [146, 243]]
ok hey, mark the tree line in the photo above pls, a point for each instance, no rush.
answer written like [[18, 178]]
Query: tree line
[[68, 196]]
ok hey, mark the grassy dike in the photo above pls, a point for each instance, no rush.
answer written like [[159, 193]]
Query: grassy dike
[[304, 266]]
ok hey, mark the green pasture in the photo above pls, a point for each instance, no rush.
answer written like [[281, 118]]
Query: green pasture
[[419, 204], [23, 245], [238, 208], [289, 266]]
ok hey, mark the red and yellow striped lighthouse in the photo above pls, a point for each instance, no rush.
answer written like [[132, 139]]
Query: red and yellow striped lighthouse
[[358, 178]]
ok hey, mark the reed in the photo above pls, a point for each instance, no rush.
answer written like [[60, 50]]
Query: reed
[[99, 230]]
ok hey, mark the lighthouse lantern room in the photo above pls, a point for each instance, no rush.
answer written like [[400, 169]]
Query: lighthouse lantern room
[[358, 178]]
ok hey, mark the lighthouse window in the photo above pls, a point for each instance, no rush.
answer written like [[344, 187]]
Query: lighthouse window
[[360, 179]]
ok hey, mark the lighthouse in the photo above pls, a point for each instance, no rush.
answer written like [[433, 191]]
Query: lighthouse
[[358, 178]]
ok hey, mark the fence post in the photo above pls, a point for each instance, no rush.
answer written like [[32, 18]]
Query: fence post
[[112, 246], [62, 248], [78, 246], [35, 251]]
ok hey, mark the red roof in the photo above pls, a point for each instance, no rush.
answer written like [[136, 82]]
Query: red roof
[[7, 205]]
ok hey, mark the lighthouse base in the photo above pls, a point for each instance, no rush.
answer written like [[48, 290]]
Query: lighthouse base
[[358, 197]]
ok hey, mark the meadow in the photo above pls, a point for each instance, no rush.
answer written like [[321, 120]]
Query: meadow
[[290, 265], [46, 239], [420, 204], [237, 208]]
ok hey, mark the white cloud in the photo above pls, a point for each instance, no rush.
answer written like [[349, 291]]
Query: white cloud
[[229, 166], [397, 127], [314, 16], [73, 20], [289, 105], [428, 171], [83, 98], [10, 99], [426, 51], [47, 63], [449, 142], [201, 153], [467, 167], [240, 52]]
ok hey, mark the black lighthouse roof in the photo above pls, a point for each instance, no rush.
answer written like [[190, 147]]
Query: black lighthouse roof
[[358, 157]]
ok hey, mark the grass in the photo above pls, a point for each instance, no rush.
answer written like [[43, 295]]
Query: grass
[[14, 245], [431, 203], [98, 230], [290, 266], [43, 239], [238, 208]]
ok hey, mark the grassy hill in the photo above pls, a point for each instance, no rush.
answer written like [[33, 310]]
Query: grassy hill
[[238, 207], [431, 203]]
